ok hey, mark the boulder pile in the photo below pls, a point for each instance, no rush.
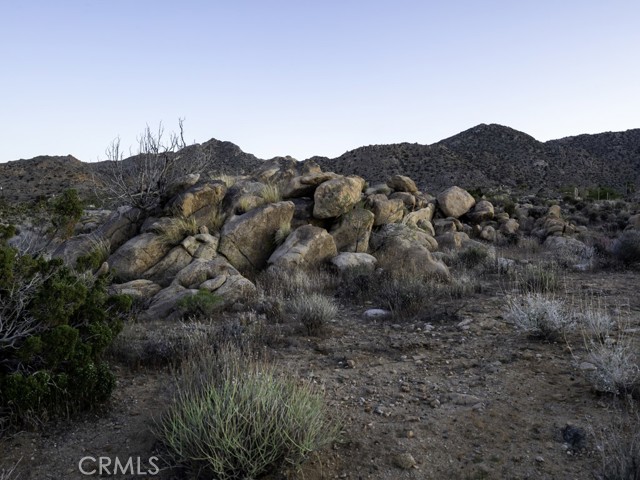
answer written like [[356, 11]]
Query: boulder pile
[[217, 235]]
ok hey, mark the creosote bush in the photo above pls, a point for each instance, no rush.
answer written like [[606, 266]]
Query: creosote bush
[[235, 417], [539, 278], [54, 327]]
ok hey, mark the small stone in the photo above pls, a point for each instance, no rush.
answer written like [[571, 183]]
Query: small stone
[[351, 364], [587, 366], [540, 459], [404, 461], [376, 314], [378, 410]]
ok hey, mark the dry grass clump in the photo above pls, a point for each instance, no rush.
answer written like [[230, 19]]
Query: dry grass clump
[[177, 229], [215, 220], [235, 417], [313, 311], [9, 473], [228, 180], [97, 255], [284, 230], [618, 443], [539, 315], [538, 278], [271, 193]]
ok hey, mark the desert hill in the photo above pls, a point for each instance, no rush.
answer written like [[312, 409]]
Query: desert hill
[[484, 156]]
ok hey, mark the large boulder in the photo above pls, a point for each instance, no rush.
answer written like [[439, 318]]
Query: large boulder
[[336, 197], [402, 236], [137, 289], [198, 200], [403, 250], [455, 202], [420, 216], [119, 227], [400, 183], [352, 230], [217, 276], [481, 212], [163, 304], [247, 240], [387, 211], [305, 246], [137, 256], [166, 269], [305, 185], [361, 262]]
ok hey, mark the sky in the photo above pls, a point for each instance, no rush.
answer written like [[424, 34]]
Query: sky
[[306, 78]]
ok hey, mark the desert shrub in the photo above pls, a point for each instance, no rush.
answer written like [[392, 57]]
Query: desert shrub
[[462, 285], [539, 315], [626, 247], [201, 305], [144, 180], [313, 311], [54, 328], [234, 417], [477, 257], [66, 211], [617, 364], [405, 296], [288, 283], [174, 231]]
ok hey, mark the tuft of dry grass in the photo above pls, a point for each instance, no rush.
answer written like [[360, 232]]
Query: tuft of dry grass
[[174, 231], [284, 229], [314, 311], [271, 193]]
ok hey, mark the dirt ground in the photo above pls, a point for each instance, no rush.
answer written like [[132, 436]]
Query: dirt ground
[[466, 397]]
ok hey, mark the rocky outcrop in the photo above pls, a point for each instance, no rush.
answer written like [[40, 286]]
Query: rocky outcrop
[[247, 240], [137, 256], [351, 232], [405, 250], [336, 197], [306, 246]]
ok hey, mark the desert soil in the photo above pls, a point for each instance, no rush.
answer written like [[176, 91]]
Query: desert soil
[[465, 395]]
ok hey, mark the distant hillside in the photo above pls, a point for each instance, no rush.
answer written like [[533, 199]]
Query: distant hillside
[[24, 180], [493, 155], [483, 156]]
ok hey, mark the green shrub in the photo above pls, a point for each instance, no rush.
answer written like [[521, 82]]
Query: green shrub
[[201, 305], [54, 328], [66, 211], [236, 418]]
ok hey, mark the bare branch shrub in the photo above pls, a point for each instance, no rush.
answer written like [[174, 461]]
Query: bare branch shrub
[[143, 179]]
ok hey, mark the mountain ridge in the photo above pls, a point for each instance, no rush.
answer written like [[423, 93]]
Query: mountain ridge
[[483, 156]]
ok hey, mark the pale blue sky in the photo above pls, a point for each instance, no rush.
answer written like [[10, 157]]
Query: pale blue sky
[[306, 78]]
